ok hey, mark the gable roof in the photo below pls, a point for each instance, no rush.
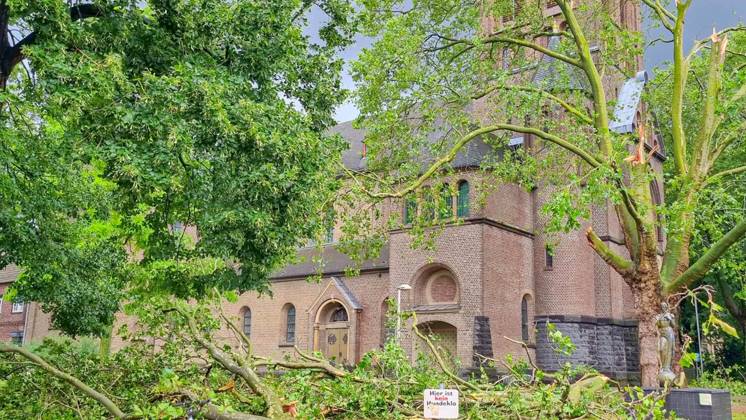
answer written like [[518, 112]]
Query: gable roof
[[551, 72], [333, 262], [470, 155], [347, 293]]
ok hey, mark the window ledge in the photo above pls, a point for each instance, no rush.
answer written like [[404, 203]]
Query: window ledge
[[437, 308], [281, 345]]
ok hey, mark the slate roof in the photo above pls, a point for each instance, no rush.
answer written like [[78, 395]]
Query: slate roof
[[9, 274], [349, 296], [558, 74], [333, 263], [471, 155]]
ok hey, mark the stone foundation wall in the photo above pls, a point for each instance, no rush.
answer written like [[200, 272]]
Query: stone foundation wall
[[608, 345], [482, 339]]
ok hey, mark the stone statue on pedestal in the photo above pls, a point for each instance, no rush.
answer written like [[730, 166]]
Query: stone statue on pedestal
[[666, 339]]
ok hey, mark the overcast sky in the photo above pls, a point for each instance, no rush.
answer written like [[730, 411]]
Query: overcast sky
[[703, 15]]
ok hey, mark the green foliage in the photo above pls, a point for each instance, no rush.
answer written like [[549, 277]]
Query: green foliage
[[561, 343], [157, 114], [385, 384], [731, 378]]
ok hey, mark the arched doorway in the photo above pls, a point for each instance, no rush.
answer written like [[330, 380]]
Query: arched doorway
[[443, 335], [333, 331]]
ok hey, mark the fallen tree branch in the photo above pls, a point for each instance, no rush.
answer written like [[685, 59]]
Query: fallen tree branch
[[209, 410], [274, 405], [108, 404], [439, 359]]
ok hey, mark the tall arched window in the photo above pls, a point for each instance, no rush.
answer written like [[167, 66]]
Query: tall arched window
[[289, 323], [410, 210], [247, 322], [428, 208], [329, 221], [386, 328], [463, 199], [524, 319], [655, 194], [446, 205]]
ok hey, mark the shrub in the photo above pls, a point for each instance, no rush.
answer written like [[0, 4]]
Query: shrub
[[732, 378]]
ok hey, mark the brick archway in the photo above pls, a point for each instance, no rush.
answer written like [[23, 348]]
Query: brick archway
[[333, 335], [436, 284], [443, 335]]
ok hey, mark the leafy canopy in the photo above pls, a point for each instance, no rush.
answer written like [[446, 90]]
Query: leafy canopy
[[206, 115]]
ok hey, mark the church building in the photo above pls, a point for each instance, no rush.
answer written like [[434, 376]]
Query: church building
[[490, 275]]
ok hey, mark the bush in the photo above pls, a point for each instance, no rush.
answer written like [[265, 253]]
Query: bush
[[732, 378]]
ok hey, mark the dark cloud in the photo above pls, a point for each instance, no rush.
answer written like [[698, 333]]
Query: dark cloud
[[701, 18]]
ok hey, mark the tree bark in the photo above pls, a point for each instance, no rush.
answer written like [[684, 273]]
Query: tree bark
[[648, 298]]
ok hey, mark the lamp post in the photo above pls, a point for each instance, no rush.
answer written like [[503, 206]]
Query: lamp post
[[398, 308]]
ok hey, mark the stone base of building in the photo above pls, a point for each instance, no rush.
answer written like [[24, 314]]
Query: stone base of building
[[700, 403], [607, 345]]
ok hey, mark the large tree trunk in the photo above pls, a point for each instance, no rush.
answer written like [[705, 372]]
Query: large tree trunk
[[648, 297]]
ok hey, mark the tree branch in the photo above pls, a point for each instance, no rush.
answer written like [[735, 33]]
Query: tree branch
[[213, 412], [439, 359], [534, 46], [701, 147], [569, 108], [680, 66], [108, 404], [666, 17], [11, 56], [719, 175], [700, 267], [244, 339], [586, 156], [248, 375], [600, 107], [622, 265], [725, 291], [723, 143]]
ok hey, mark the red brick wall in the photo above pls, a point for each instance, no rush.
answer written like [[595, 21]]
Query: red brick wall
[[10, 322]]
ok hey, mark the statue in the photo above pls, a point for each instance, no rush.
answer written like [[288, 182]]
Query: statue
[[665, 323]]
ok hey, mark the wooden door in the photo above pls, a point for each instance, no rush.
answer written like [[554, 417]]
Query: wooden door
[[336, 344]]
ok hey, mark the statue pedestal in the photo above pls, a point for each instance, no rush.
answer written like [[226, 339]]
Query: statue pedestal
[[700, 403]]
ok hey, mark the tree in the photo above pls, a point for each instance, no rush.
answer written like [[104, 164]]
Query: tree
[[443, 74], [724, 207], [177, 115]]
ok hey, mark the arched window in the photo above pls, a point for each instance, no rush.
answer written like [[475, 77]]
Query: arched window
[[289, 323], [429, 204], [410, 210], [339, 315], [524, 319], [446, 205], [329, 221], [463, 199], [247, 322], [655, 194]]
